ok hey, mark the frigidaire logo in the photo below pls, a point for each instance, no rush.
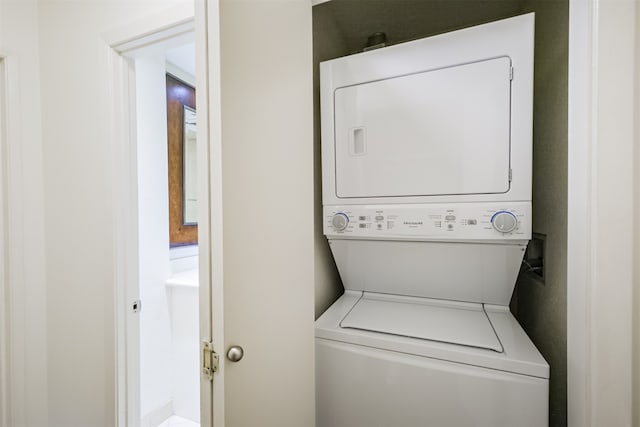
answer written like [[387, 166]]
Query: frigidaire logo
[[412, 222]]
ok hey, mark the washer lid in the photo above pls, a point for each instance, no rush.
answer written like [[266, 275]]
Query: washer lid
[[437, 320]]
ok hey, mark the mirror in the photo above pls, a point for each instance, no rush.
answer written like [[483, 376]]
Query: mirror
[[182, 163], [189, 179]]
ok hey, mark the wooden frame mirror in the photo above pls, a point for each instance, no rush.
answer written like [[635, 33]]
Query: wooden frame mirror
[[181, 140]]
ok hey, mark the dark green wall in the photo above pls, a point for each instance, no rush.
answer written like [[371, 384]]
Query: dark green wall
[[541, 307]]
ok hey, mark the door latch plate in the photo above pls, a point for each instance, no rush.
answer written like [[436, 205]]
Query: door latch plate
[[136, 306]]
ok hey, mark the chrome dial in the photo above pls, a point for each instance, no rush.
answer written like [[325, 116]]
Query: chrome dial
[[340, 221], [504, 222]]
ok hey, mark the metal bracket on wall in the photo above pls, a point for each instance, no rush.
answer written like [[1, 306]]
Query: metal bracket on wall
[[534, 257]]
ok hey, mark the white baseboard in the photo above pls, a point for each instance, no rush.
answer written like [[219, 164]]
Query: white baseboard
[[157, 416]]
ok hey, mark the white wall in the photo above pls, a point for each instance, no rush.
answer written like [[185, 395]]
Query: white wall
[[185, 350], [78, 188], [78, 205], [24, 238], [153, 234]]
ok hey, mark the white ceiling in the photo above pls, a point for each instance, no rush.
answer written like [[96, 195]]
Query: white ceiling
[[183, 57]]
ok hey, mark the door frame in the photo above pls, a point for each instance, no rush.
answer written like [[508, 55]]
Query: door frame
[[5, 291], [600, 167], [121, 44], [16, 370], [578, 231]]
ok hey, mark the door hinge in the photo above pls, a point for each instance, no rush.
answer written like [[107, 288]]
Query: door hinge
[[510, 73], [210, 360]]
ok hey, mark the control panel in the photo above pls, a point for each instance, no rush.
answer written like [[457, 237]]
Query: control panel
[[461, 221]]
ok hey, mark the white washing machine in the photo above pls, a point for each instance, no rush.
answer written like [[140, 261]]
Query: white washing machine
[[426, 153]]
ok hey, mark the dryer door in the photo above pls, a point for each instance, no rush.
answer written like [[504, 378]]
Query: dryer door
[[437, 132]]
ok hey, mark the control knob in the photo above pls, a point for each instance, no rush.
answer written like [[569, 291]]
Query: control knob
[[340, 221], [504, 222]]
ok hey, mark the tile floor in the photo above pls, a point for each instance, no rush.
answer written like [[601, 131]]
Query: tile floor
[[176, 421]]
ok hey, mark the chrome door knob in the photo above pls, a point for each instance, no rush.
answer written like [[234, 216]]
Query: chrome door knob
[[235, 353]]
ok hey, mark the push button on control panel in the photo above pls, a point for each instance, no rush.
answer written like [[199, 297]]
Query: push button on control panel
[[504, 222]]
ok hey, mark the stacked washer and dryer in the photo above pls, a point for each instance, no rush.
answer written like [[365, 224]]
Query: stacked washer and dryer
[[427, 158]]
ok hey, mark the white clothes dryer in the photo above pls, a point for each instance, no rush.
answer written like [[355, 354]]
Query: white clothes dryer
[[426, 153]]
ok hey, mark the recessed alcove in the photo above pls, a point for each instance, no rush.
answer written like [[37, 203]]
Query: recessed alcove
[[342, 27]]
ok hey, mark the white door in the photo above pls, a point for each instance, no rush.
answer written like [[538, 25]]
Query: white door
[[261, 164]]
